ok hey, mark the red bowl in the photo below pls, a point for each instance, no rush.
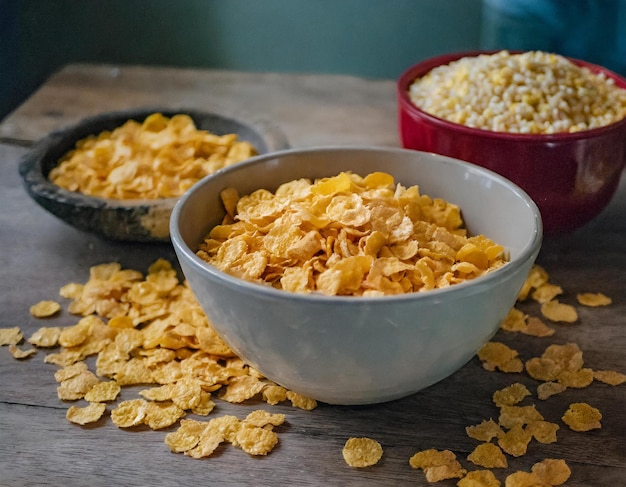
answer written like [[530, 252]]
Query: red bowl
[[571, 176]]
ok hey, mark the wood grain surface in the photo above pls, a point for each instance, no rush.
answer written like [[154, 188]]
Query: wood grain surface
[[39, 254]]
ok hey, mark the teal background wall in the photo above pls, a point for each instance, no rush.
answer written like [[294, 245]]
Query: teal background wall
[[371, 38]]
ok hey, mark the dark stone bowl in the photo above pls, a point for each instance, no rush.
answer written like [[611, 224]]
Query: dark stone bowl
[[137, 220]]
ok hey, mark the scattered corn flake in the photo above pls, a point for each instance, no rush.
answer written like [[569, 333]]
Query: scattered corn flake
[[45, 337], [581, 416], [515, 320], [103, 392], [577, 379], [263, 418], [546, 292], [45, 309], [209, 439], [488, 455], [536, 278], [77, 386], [19, 353], [510, 395], [438, 473], [536, 327], [523, 479], [485, 431], [254, 440], [204, 406], [241, 388], [160, 415], [431, 458], [515, 441], [552, 471], [518, 415], [593, 299], [88, 414], [274, 394], [559, 312], [129, 413], [71, 290], [362, 452], [10, 336], [301, 402], [496, 355], [187, 435], [479, 478], [543, 431], [70, 371], [610, 377], [549, 389]]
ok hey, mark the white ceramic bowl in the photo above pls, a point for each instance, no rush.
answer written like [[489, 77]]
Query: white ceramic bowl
[[360, 350]]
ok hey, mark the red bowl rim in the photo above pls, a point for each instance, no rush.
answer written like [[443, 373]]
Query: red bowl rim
[[420, 69]]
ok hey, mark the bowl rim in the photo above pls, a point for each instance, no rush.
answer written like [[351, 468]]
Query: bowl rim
[[421, 68], [31, 170], [528, 251]]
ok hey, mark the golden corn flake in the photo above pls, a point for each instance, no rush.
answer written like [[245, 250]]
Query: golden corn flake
[[546, 292], [549, 389], [274, 394], [581, 416], [20, 353], [159, 158], [45, 337], [536, 278], [543, 431], [103, 392], [10, 336], [362, 452], [159, 415], [510, 395], [515, 441], [518, 415], [71, 290], [263, 418], [485, 431], [431, 458], [536, 327], [186, 437], [437, 464], [496, 355], [488, 455], [593, 299], [301, 402], [88, 414], [610, 377], [254, 440], [514, 321], [45, 309], [576, 378], [347, 235], [559, 312], [552, 471], [75, 387], [479, 478], [241, 388], [523, 479], [129, 413]]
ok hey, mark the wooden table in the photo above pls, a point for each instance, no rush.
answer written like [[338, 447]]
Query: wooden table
[[39, 254]]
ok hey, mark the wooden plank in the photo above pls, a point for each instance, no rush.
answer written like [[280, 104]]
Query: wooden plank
[[310, 109]]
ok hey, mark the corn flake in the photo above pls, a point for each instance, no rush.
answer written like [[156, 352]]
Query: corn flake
[[510, 395], [593, 299], [485, 431], [488, 455], [581, 416], [559, 312], [515, 441], [45, 337], [362, 452], [610, 377], [523, 479], [552, 471], [45, 309], [88, 414], [479, 478], [10, 336], [549, 389]]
